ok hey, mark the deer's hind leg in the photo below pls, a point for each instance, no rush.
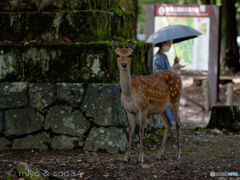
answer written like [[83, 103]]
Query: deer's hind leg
[[143, 117], [132, 124], [167, 125], [175, 109]]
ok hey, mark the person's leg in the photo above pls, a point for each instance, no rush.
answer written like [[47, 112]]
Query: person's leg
[[170, 115]]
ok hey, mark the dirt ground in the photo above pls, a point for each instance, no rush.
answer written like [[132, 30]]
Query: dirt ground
[[203, 151]]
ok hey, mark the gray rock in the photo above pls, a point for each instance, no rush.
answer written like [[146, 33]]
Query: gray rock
[[13, 95], [154, 122], [39, 141], [102, 103], [71, 93], [52, 26], [62, 120], [22, 121], [81, 142], [1, 122], [111, 139], [4, 143], [63, 142], [41, 95]]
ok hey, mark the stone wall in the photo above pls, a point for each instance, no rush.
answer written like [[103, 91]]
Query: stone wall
[[77, 26], [79, 20], [67, 62], [64, 116], [52, 55]]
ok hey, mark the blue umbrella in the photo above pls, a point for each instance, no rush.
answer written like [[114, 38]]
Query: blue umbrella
[[177, 33]]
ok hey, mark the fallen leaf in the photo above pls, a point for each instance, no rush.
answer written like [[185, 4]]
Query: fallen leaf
[[106, 175], [81, 174], [145, 166]]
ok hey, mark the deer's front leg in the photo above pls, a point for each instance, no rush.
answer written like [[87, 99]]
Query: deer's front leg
[[143, 117], [132, 124]]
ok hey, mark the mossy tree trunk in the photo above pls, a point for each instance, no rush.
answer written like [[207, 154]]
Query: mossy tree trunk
[[226, 118], [131, 5]]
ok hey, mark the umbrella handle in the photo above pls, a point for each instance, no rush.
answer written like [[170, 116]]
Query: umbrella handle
[[175, 50]]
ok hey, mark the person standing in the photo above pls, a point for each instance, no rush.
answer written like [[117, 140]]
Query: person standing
[[160, 62]]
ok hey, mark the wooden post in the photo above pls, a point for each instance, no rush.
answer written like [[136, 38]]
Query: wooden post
[[206, 95], [214, 52], [229, 94]]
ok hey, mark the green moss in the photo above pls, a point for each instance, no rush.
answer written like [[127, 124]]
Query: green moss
[[103, 4], [93, 62], [27, 174], [77, 25], [9, 175]]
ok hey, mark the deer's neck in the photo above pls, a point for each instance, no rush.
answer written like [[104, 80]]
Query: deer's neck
[[125, 82]]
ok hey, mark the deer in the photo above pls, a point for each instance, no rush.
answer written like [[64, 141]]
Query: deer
[[144, 95]]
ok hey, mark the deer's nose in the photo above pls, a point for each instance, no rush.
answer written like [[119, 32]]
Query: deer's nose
[[124, 65]]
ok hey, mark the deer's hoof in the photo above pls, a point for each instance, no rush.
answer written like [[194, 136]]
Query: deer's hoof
[[124, 161]]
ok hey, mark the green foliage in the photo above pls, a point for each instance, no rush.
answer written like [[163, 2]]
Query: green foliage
[[145, 139], [160, 132], [9, 175]]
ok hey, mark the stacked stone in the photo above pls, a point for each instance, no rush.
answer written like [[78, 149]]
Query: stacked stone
[[51, 55], [47, 20], [64, 116], [87, 27]]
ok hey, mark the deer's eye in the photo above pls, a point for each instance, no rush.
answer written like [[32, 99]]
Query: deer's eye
[[118, 55]]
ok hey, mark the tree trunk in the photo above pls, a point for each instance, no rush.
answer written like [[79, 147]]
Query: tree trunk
[[131, 5], [225, 118], [229, 26]]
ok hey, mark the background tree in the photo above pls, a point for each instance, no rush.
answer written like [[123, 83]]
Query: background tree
[[131, 5], [230, 50]]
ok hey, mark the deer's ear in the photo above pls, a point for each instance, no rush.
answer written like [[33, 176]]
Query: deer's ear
[[114, 45], [133, 46]]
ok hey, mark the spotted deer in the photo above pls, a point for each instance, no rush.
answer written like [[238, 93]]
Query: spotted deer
[[143, 95]]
